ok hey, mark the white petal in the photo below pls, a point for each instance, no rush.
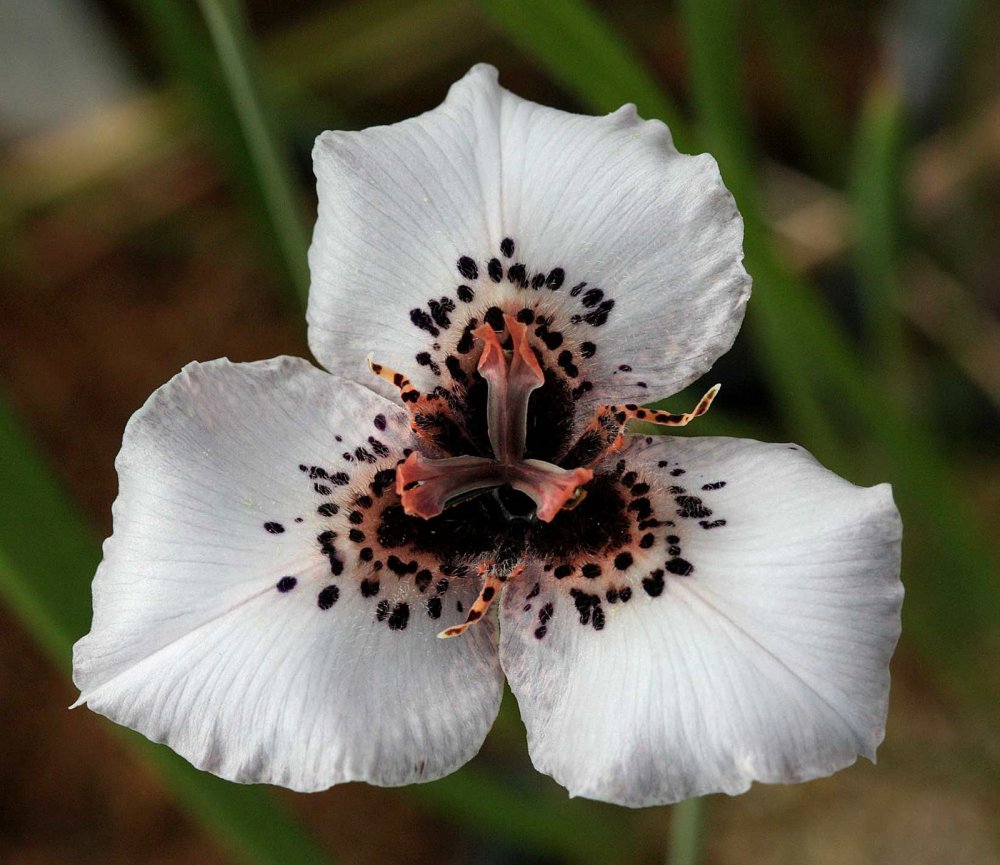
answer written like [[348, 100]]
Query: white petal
[[755, 644], [230, 477], [637, 249]]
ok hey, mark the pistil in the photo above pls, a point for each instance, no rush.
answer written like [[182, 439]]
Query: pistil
[[427, 486]]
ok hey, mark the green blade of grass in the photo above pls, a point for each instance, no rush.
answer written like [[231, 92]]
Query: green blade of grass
[[47, 558], [230, 37], [576, 46], [217, 66], [876, 182], [685, 832], [813, 110]]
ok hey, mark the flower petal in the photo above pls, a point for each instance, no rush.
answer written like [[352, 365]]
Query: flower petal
[[753, 643], [622, 255], [238, 615]]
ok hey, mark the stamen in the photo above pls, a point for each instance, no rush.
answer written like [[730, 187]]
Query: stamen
[[610, 421], [664, 418], [491, 588], [407, 392]]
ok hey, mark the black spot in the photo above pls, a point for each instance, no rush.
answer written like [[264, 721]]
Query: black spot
[[691, 507], [423, 579], [653, 584], [422, 319], [640, 489], [596, 317], [517, 274], [705, 524], [356, 535], [677, 472], [593, 297], [495, 269], [494, 318], [562, 571], [465, 294], [625, 368], [576, 289], [587, 349], [525, 316], [384, 479], [399, 567], [380, 422], [465, 343], [553, 340], [623, 561], [382, 610], [322, 489], [625, 595], [488, 593], [540, 632], [370, 588], [533, 593], [589, 608], [629, 478], [545, 614], [379, 447], [538, 280], [555, 279], [591, 570], [507, 247], [340, 479], [434, 608], [286, 584], [328, 597], [455, 368], [327, 509], [718, 485], [467, 267], [641, 506], [366, 554], [274, 528], [611, 596], [681, 567]]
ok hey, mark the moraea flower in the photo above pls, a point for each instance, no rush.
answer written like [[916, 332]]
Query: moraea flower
[[497, 287]]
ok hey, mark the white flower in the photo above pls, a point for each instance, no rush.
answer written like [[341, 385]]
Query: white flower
[[676, 615]]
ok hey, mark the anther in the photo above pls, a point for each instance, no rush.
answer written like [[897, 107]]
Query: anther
[[492, 584]]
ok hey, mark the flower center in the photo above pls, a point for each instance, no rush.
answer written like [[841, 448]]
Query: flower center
[[488, 481], [427, 486]]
